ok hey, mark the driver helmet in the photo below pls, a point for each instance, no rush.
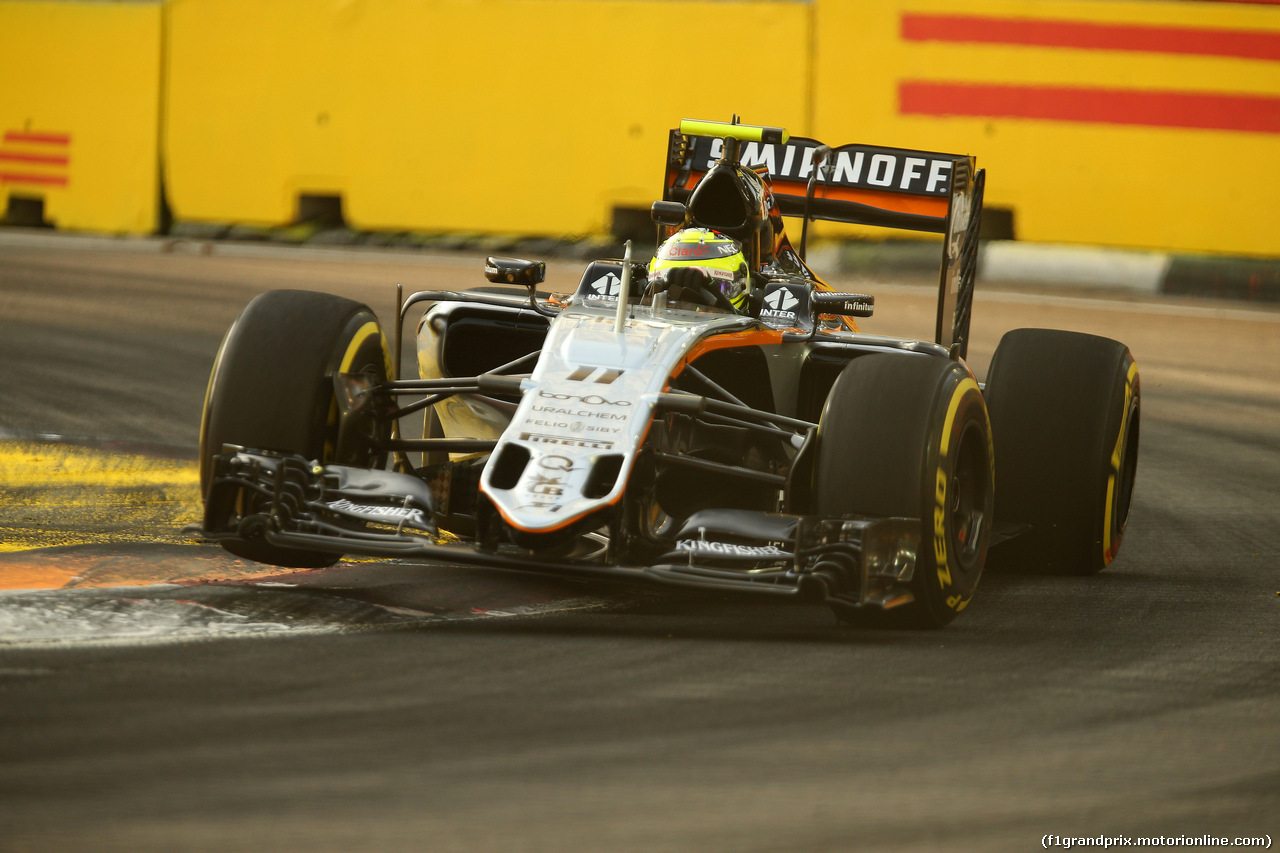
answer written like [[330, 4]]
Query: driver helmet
[[710, 251]]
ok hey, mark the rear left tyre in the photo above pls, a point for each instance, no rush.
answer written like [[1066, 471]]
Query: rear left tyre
[[1065, 415]]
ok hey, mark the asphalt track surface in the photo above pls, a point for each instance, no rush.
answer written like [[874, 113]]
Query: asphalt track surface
[[156, 695]]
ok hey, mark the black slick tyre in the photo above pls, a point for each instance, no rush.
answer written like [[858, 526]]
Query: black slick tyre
[[1065, 411], [272, 389], [908, 436]]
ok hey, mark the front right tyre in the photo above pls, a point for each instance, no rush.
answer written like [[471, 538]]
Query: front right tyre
[[272, 388]]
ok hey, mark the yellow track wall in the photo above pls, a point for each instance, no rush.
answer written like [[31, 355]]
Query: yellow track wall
[[540, 116], [1113, 184], [529, 116], [79, 111]]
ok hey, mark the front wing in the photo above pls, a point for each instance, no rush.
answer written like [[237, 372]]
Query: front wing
[[288, 502]]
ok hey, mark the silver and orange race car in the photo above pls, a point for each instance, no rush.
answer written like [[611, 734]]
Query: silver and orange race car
[[713, 418]]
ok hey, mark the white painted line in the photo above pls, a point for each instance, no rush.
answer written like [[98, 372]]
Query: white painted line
[[39, 238], [1157, 305], [1003, 261], [1261, 314]]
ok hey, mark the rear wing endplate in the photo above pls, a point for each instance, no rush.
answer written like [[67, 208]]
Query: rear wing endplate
[[960, 256]]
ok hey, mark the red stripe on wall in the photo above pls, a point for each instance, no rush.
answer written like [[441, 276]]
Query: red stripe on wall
[[51, 159], [1242, 44], [1250, 113], [39, 138], [53, 180]]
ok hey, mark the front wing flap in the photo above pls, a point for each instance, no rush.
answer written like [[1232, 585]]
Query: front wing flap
[[290, 502]]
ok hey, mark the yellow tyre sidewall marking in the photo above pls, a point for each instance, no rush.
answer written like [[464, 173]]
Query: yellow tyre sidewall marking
[[941, 481], [205, 450], [1108, 553], [362, 334]]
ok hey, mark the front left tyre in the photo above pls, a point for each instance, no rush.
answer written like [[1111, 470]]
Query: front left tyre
[[905, 435]]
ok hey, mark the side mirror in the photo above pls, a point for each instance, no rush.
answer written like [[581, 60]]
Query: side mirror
[[669, 213], [515, 271], [842, 304]]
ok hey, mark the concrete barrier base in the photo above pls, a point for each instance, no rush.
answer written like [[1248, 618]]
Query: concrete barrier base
[[1001, 262]]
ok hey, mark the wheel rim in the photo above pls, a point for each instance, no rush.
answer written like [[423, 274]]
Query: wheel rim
[[970, 488], [358, 448]]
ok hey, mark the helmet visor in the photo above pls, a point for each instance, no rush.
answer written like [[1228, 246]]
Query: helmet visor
[[732, 283]]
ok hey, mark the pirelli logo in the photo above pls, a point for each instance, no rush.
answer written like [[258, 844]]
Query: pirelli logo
[[565, 441]]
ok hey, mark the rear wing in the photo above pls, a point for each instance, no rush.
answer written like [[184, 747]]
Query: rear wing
[[899, 188]]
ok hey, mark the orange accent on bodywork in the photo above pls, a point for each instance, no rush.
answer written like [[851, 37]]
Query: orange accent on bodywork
[[562, 525], [881, 200], [573, 518], [896, 202], [751, 338]]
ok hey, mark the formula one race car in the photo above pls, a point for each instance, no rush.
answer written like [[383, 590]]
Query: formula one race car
[[713, 418]]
